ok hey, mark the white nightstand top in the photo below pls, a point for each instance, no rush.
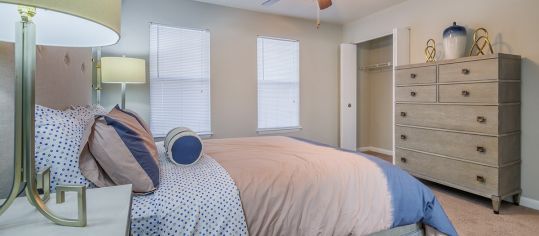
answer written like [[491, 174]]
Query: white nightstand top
[[108, 214]]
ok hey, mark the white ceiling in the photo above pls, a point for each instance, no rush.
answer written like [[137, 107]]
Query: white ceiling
[[342, 11]]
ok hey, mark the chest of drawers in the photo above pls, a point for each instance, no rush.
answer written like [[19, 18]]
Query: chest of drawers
[[458, 124]]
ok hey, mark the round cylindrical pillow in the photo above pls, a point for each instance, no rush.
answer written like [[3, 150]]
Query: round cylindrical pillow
[[183, 146]]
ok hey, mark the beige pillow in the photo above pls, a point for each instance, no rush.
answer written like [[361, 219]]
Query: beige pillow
[[118, 149]]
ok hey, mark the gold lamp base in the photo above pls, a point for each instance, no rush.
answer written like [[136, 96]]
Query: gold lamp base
[[24, 162]]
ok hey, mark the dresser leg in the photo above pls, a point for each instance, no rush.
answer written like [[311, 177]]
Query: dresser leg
[[516, 199], [496, 203]]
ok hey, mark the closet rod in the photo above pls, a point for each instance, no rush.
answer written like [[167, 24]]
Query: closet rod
[[378, 66]]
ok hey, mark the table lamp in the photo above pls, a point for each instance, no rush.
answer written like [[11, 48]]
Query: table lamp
[[69, 23], [123, 70]]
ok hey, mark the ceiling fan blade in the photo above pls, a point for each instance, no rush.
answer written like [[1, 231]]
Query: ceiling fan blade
[[268, 3], [323, 4]]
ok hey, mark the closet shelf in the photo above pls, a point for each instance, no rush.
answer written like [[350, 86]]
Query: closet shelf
[[379, 66]]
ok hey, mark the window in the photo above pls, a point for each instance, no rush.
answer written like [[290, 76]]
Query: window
[[179, 79], [278, 84]]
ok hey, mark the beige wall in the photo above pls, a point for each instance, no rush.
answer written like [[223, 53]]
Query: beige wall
[[233, 63], [513, 29], [375, 111]]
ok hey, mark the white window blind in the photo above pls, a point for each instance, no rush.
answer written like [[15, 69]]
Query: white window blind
[[179, 79], [278, 84]]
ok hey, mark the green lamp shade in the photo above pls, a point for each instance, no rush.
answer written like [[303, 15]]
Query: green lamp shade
[[123, 70], [69, 23]]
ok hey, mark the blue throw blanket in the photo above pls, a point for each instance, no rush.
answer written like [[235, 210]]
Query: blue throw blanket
[[412, 201]]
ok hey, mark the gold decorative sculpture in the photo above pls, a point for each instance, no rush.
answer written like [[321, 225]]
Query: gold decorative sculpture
[[430, 51], [480, 37]]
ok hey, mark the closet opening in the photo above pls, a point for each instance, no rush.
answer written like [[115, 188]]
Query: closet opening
[[367, 111], [375, 96]]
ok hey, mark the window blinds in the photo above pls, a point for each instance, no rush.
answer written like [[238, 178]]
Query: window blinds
[[278, 84], [179, 79]]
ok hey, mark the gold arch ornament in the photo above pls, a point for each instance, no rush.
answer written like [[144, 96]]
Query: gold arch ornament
[[430, 51], [480, 37]]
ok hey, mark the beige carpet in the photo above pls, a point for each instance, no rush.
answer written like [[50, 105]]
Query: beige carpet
[[472, 215]]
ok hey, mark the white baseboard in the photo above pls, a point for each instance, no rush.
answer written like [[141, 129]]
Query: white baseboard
[[530, 203], [375, 149]]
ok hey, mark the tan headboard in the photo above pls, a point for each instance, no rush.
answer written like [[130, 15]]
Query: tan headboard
[[63, 75], [6, 119]]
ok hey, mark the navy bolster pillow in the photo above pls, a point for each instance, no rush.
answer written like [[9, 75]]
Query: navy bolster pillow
[[183, 146]]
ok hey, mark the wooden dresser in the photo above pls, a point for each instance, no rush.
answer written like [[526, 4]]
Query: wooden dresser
[[458, 124]]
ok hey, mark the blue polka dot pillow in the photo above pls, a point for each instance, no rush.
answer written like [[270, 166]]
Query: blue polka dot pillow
[[58, 138], [85, 114]]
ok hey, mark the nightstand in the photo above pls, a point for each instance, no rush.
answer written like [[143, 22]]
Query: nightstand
[[108, 214]]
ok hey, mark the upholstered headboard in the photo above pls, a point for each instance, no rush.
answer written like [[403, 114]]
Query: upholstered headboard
[[63, 75], [63, 78]]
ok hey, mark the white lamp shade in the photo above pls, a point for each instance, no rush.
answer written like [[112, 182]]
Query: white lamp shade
[[123, 70], [69, 23]]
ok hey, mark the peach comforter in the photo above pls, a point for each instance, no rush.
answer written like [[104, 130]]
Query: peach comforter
[[290, 187]]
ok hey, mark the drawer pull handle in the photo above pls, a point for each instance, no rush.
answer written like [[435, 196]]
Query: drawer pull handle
[[413, 94], [481, 149], [413, 76], [465, 93], [403, 114], [465, 71], [403, 159], [403, 137], [481, 119], [481, 179]]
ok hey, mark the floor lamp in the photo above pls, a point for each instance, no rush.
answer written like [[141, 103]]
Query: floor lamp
[[66, 23]]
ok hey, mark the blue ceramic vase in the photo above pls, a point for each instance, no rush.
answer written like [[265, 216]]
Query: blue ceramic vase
[[455, 41]]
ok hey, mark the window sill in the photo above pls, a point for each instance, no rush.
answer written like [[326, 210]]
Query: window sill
[[279, 130], [205, 135]]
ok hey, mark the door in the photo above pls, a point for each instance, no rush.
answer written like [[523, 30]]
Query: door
[[348, 88]]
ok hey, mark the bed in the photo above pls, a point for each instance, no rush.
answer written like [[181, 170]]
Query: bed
[[286, 186], [255, 186], [260, 186]]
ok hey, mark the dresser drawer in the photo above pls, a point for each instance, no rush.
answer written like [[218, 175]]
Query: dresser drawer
[[416, 94], [480, 119], [467, 176], [418, 75], [480, 93], [469, 71], [477, 148]]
